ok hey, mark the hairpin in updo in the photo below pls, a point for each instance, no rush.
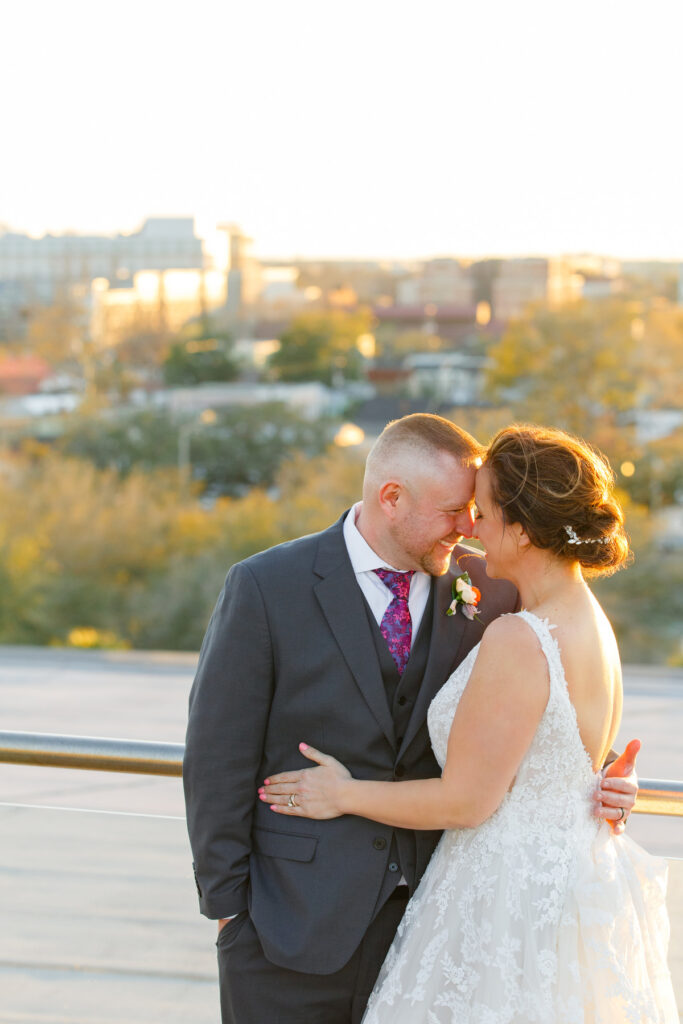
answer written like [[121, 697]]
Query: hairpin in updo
[[575, 539]]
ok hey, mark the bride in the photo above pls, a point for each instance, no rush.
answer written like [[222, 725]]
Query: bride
[[531, 911]]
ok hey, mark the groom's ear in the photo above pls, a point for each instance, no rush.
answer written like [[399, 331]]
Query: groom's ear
[[389, 494]]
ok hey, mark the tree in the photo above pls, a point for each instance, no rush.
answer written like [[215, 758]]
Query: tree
[[398, 344], [659, 336], [136, 560], [200, 353], [574, 367], [644, 602], [600, 370], [322, 346], [191, 363], [57, 333], [246, 446], [72, 563], [241, 447], [657, 477], [122, 441]]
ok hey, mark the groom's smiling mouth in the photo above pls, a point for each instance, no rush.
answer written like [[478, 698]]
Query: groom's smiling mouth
[[450, 544]]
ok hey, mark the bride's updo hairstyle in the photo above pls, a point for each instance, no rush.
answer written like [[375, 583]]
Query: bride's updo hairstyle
[[561, 491]]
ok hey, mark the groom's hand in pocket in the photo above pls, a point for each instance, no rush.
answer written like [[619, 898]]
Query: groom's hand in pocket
[[222, 921], [619, 788]]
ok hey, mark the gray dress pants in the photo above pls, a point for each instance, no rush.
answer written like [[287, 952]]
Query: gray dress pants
[[255, 991]]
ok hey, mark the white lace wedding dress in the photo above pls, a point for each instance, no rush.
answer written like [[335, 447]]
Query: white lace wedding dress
[[539, 915]]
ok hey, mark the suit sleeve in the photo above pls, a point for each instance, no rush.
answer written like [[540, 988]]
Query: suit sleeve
[[229, 707]]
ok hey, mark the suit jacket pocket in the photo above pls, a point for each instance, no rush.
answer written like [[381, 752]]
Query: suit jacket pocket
[[288, 845]]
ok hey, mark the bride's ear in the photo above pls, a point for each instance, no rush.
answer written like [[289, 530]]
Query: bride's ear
[[523, 540]]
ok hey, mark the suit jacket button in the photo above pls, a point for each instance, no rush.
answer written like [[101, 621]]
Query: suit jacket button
[[402, 701], [379, 843], [399, 771]]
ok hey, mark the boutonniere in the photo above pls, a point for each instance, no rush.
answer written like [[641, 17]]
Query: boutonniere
[[465, 596]]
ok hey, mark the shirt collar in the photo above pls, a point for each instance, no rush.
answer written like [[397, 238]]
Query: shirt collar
[[363, 558]]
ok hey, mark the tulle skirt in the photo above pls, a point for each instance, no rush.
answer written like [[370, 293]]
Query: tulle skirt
[[518, 946]]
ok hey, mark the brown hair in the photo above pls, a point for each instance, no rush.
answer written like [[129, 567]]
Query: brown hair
[[426, 432], [560, 490]]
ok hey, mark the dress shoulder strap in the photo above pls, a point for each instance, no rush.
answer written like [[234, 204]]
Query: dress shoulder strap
[[549, 646]]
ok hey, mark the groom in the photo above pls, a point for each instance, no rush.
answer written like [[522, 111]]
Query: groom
[[340, 639]]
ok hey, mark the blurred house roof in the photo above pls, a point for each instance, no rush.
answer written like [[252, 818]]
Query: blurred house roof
[[21, 375], [374, 414]]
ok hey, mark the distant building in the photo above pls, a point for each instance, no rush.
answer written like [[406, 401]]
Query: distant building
[[152, 302], [525, 280], [657, 272], [19, 410], [668, 532], [22, 375], [601, 287], [280, 291], [38, 268], [452, 377], [444, 281], [452, 323], [503, 286], [654, 424], [254, 353], [310, 399], [373, 414], [245, 279]]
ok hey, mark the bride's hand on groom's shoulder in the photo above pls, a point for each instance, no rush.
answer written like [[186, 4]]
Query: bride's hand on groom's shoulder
[[619, 788], [311, 792]]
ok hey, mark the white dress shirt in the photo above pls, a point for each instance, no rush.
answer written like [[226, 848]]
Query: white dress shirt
[[364, 561]]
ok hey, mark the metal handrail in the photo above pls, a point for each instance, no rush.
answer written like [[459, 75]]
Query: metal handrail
[[95, 753]]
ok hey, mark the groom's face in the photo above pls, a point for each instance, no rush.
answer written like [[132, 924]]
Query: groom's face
[[436, 512]]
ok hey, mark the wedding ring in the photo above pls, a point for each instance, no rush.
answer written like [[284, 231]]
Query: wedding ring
[[623, 814], [292, 801]]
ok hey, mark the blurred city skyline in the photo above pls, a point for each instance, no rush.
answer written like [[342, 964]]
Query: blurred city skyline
[[475, 131]]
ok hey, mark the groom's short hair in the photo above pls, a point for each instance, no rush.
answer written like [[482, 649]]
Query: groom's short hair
[[423, 434]]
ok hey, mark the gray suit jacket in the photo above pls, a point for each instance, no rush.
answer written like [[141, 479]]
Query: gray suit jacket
[[288, 657]]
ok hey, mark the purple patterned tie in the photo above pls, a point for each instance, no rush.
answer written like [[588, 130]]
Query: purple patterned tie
[[396, 626]]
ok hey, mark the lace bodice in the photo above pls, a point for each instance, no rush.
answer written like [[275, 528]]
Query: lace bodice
[[530, 918]]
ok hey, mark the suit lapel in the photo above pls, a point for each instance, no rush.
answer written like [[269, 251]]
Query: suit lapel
[[447, 635], [341, 601]]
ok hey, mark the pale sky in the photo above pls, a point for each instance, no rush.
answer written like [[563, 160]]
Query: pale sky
[[372, 128]]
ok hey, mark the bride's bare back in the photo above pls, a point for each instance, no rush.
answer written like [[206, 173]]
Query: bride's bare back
[[592, 668]]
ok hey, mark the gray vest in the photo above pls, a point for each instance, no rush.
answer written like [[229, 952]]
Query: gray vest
[[401, 694]]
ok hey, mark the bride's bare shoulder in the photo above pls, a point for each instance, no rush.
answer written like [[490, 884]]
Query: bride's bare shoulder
[[510, 639], [508, 626]]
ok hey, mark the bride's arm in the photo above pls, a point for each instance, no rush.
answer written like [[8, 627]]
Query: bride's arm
[[492, 729]]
